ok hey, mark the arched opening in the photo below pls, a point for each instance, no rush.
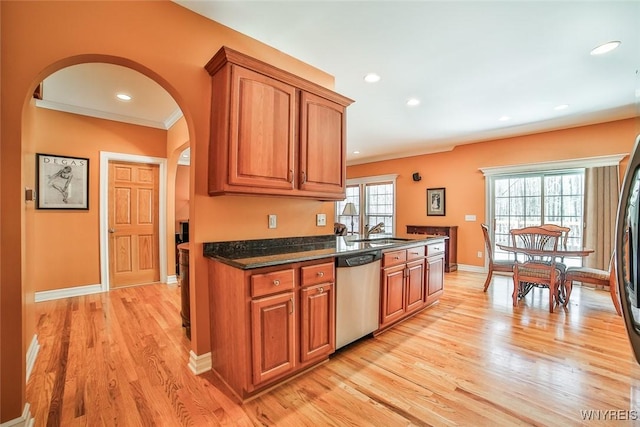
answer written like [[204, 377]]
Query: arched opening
[[66, 249]]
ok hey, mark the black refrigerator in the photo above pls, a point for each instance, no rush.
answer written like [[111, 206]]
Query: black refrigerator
[[627, 248]]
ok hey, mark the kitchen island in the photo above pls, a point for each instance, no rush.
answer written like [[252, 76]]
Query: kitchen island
[[273, 301]]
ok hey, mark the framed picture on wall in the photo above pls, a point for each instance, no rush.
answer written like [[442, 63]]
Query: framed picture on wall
[[62, 182], [435, 201]]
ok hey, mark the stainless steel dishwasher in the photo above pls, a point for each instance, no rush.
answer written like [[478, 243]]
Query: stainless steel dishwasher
[[357, 296]]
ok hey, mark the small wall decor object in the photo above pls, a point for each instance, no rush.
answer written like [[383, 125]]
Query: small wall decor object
[[62, 182], [435, 201], [417, 177]]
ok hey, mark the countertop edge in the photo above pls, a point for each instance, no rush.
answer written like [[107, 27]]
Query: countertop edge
[[311, 255]]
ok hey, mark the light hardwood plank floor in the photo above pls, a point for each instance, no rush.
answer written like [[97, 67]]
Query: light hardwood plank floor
[[120, 359]]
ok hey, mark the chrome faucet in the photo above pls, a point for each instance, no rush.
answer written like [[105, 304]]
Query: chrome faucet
[[378, 228]]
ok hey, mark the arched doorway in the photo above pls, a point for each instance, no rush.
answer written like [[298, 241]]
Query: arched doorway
[[81, 117]]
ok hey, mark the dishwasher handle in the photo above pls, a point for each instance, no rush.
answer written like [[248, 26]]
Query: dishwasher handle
[[355, 260]]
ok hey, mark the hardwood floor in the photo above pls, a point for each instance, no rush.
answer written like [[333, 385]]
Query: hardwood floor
[[472, 359]]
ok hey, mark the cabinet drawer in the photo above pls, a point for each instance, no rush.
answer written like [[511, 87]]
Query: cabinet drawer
[[415, 253], [435, 248], [319, 273], [395, 257], [271, 283]]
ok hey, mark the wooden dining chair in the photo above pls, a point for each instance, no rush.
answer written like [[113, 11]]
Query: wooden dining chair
[[596, 277], [504, 266], [534, 266]]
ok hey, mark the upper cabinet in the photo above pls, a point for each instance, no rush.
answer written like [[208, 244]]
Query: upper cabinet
[[274, 133]]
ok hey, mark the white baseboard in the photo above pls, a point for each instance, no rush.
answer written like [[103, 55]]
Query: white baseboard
[[471, 268], [32, 354], [25, 419], [199, 364], [67, 292], [172, 280]]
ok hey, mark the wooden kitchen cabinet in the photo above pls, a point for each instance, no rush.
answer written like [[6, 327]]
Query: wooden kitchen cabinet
[[403, 284], [270, 323], [273, 336], [317, 311], [274, 133], [434, 274]]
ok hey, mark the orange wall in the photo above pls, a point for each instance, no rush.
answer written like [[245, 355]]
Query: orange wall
[[64, 248], [458, 171], [171, 45], [182, 194]]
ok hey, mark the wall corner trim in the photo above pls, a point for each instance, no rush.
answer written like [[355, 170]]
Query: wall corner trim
[[32, 355], [199, 364]]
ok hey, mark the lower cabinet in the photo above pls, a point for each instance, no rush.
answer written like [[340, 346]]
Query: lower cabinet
[[403, 284], [273, 336], [412, 278], [434, 275], [287, 323]]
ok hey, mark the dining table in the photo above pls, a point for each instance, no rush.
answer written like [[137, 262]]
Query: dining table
[[558, 253]]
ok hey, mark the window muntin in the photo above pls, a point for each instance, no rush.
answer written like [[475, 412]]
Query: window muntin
[[524, 200]]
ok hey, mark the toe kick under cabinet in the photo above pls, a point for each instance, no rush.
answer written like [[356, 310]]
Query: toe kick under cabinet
[[270, 323]]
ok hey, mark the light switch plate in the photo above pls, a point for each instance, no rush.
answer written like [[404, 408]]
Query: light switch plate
[[321, 220], [273, 221], [469, 217]]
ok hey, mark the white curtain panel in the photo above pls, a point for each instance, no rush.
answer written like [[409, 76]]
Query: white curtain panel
[[601, 204]]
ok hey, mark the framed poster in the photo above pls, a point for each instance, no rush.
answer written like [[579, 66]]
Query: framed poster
[[62, 182], [435, 201]]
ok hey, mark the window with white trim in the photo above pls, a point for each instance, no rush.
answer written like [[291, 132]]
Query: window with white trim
[[374, 199]]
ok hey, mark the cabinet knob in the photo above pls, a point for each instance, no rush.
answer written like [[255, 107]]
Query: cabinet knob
[[303, 176], [276, 282], [290, 175], [320, 274], [396, 257], [321, 289]]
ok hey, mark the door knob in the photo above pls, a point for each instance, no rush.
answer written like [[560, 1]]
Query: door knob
[[112, 230]]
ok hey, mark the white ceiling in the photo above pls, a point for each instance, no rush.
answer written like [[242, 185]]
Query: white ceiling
[[469, 63]]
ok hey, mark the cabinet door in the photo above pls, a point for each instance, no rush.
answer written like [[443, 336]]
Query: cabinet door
[[322, 145], [318, 329], [262, 131], [415, 285], [393, 295], [435, 278], [273, 336]]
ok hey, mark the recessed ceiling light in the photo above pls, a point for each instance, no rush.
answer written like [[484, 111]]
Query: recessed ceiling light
[[561, 107], [504, 118], [123, 97], [372, 78], [604, 48], [412, 102], [356, 152]]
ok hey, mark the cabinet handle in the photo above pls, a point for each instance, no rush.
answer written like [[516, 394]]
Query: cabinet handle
[[292, 307], [290, 177], [321, 289], [303, 175], [415, 253], [320, 274], [276, 282], [396, 257]]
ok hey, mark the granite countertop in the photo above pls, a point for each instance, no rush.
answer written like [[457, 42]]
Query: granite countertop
[[250, 254]]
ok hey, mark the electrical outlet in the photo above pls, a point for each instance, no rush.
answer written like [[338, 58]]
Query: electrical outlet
[[479, 254], [273, 221], [321, 220]]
